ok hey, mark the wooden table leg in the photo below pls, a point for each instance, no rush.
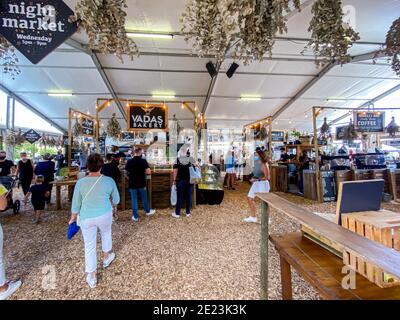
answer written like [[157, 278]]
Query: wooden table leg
[[264, 250], [286, 280], [58, 197]]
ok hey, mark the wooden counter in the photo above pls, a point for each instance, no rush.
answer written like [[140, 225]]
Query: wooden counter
[[279, 178], [158, 190]]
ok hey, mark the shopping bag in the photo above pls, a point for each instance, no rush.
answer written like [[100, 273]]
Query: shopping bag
[[174, 197], [195, 175], [73, 229]]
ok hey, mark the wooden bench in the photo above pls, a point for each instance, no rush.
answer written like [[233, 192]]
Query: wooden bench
[[323, 270], [377, 254]]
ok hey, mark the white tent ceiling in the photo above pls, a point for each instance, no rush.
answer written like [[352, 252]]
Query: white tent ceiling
[[167, 65]]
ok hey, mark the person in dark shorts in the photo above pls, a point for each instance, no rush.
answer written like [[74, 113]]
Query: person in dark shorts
[[38, 192], [46, 168], [25, 172]]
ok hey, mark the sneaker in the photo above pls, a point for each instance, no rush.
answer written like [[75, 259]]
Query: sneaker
[[91, 281], [176, 216], [250, 220], [109, 260], [135, 219], [151, 212], [187, 215], [12, 287]]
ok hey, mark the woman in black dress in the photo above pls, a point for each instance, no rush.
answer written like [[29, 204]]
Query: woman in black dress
[[25, 172]]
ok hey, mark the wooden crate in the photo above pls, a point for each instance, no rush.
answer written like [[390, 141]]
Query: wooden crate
[[383, 174], [310, 185], [382, 227], [362, 175], [279, 178]]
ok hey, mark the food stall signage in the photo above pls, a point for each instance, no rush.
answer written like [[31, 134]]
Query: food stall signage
[[278, 136], [36, 28], [340, 132], [87, 126], [370, 121], [142, 117], [32, 136]]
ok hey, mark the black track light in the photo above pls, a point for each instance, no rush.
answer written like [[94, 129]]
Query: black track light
[[232, 69], [211, 69]]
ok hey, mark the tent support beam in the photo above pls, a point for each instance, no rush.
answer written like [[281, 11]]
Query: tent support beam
[[31, 108], [366, 104], [79, 46]]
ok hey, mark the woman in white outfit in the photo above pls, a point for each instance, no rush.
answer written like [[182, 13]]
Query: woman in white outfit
[[93, 200], [7, 288], [260, 184]]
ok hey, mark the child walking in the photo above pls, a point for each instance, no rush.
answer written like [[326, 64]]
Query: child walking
[[38, 192]]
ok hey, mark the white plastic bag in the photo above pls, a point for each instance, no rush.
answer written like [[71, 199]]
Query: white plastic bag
[[174, 197], [195, 175]]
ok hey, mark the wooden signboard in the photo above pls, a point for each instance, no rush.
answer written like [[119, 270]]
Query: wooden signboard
[[278, 136], [359, 196], [127, 136], [373, 122], [145, 117], [87, 126]]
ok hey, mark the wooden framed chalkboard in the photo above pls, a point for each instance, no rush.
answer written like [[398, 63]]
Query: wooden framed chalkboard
[[87, 126], [359, 196]]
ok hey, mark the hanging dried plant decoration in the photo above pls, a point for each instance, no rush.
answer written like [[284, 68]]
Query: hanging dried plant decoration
[[14, 138], [78, 129], [104, 23], [393, 45], [392, 128], [113, 127], [248, 26], [8, 58], [330, 36], [259, 22], [325, 131], [350, 132]]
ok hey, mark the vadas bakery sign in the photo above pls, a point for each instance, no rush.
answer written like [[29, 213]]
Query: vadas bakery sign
[[35, 27], [145, 117]]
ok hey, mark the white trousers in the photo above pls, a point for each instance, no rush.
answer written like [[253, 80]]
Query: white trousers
[[89, 229], [2, 263]]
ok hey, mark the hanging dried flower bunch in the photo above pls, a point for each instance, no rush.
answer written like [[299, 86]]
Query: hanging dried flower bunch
[[392, 128], [325, 131], [104, 23], [203, 24], [330, 36], [259, 22], [350, 132], [393, 45], [14, 138], [78, 129], [9, 58], [248, 26], [113, 127]]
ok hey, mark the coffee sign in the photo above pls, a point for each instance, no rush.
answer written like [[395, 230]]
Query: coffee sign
[[370, 121], [32, 136], [147, 117], [36, 27], [278, 136]]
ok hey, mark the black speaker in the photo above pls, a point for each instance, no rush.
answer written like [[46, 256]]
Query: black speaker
[[232, 69], [211, 69]]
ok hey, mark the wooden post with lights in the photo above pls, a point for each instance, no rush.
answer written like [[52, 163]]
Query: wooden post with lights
[[316, 111], [270, 151]]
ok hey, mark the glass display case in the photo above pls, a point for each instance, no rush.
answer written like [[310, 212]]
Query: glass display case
[[210, 178]]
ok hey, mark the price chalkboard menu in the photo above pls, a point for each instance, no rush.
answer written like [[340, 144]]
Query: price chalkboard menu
[[32, 136], [370, 121], [147, 117], [278, 136], [87, 126], [102, 145]]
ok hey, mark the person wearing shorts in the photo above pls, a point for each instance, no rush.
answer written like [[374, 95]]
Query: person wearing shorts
[[260, 184]]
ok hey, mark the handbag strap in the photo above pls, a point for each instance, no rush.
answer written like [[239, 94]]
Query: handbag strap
[[91, 189]]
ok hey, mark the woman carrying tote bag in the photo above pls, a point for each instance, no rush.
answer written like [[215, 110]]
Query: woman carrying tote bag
[[91, 201]]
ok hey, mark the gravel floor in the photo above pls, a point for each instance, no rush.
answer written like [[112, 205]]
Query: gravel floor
[[211, 255]]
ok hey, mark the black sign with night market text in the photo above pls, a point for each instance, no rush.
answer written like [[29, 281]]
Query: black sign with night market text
[[87, 126], [36, 27], [32, 136]]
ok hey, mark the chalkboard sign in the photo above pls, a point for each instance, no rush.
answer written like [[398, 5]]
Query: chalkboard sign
[[102, 145], [87, 126], [147, 117], [36, 28], [278, 136], [32, 136], [127, 136], [369, 121], [340, 132]]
